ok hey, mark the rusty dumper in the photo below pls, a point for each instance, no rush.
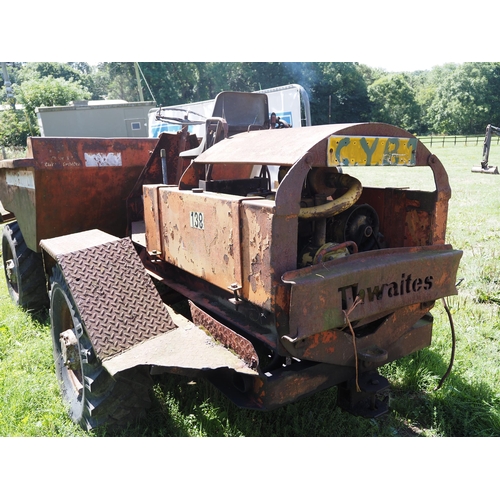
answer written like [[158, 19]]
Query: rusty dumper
[[253, 258]]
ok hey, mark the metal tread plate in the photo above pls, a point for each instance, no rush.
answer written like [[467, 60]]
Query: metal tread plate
[[116, 299]]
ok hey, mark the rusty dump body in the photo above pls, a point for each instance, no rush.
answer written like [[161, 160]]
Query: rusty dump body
[[300, 276], [65, 185]]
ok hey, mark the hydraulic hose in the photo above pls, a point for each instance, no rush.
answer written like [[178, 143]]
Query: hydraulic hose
[[354, 189]]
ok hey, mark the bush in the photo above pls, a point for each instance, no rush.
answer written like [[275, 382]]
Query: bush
[[14, 129]]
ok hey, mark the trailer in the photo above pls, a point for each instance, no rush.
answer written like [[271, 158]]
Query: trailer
[[252, 258]]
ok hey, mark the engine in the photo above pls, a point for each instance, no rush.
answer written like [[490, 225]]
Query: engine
[[331, 224]]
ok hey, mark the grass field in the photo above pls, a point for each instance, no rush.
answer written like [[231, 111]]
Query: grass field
[[467, 405]]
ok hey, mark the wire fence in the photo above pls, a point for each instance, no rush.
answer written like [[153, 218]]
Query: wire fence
[[456, 140]]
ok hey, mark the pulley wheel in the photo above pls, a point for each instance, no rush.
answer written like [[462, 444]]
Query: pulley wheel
[[359, 223]]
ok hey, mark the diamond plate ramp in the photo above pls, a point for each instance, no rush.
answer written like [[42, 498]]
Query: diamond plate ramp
[[124, 316], [117, 300], [185, 350]]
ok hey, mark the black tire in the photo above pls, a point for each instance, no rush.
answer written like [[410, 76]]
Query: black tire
[[93, 396], [23, 271]]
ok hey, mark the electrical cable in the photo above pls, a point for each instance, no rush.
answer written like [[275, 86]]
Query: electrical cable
[[453, 342]]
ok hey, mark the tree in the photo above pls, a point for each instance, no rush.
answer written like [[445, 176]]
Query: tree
[[492, 72], [174, 82], [178, 83], [370, 74], [465, 98], [394, 101], [14, 129], [46, 91], [118, 78], [350, 102], [337, 91], [80, 73], [167, 83]]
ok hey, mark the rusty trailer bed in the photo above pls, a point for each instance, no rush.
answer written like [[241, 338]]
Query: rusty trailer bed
[[67, 185]]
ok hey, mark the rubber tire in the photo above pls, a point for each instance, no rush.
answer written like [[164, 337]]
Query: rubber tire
[[26, 277], [101, 400]]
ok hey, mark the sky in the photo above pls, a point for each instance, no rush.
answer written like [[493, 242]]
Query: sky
[[387, 34]]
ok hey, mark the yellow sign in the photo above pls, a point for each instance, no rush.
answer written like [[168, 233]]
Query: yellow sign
[[345, 151]]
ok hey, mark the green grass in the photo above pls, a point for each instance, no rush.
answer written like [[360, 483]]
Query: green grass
[[30, 403], [467, 405]]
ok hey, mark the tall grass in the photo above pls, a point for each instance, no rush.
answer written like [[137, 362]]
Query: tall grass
[[467, 405]]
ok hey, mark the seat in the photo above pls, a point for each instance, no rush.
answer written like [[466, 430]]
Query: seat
[[234, 112]]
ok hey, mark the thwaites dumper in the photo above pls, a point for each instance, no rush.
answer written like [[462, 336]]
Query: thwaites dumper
[[254, 259]]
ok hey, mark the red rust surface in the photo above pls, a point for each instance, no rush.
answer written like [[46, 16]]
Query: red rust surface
[[336, 346], [384, 280], [211, 250], [227, 337], [272, 390], [70, 196]]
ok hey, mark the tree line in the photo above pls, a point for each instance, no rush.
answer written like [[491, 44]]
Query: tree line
[[451, 99]]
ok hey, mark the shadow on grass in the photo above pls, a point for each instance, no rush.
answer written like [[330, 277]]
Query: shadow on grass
[[460, 408], [183, 407]]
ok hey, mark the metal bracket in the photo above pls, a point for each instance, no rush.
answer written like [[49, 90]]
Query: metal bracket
[[236, 300], [371, 402]]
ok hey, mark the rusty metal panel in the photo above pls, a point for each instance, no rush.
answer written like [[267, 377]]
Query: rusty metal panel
[[272, 390], [77, 184], [286, 146], [336, 347], [17, 193], [75, 200], [405, 216], [268, 147], [117, 300], [384, 280], [75, 242], [227, 337], [201, 234], [259, 279], [152, 218], [67, 152]]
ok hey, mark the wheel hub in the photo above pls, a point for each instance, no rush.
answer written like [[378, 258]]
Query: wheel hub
[[70, 350], [10, 269]]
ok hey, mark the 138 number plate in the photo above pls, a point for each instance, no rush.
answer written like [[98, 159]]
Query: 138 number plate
[[197, 220]]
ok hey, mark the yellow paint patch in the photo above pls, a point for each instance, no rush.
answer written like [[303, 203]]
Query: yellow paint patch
[[357, 150]]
